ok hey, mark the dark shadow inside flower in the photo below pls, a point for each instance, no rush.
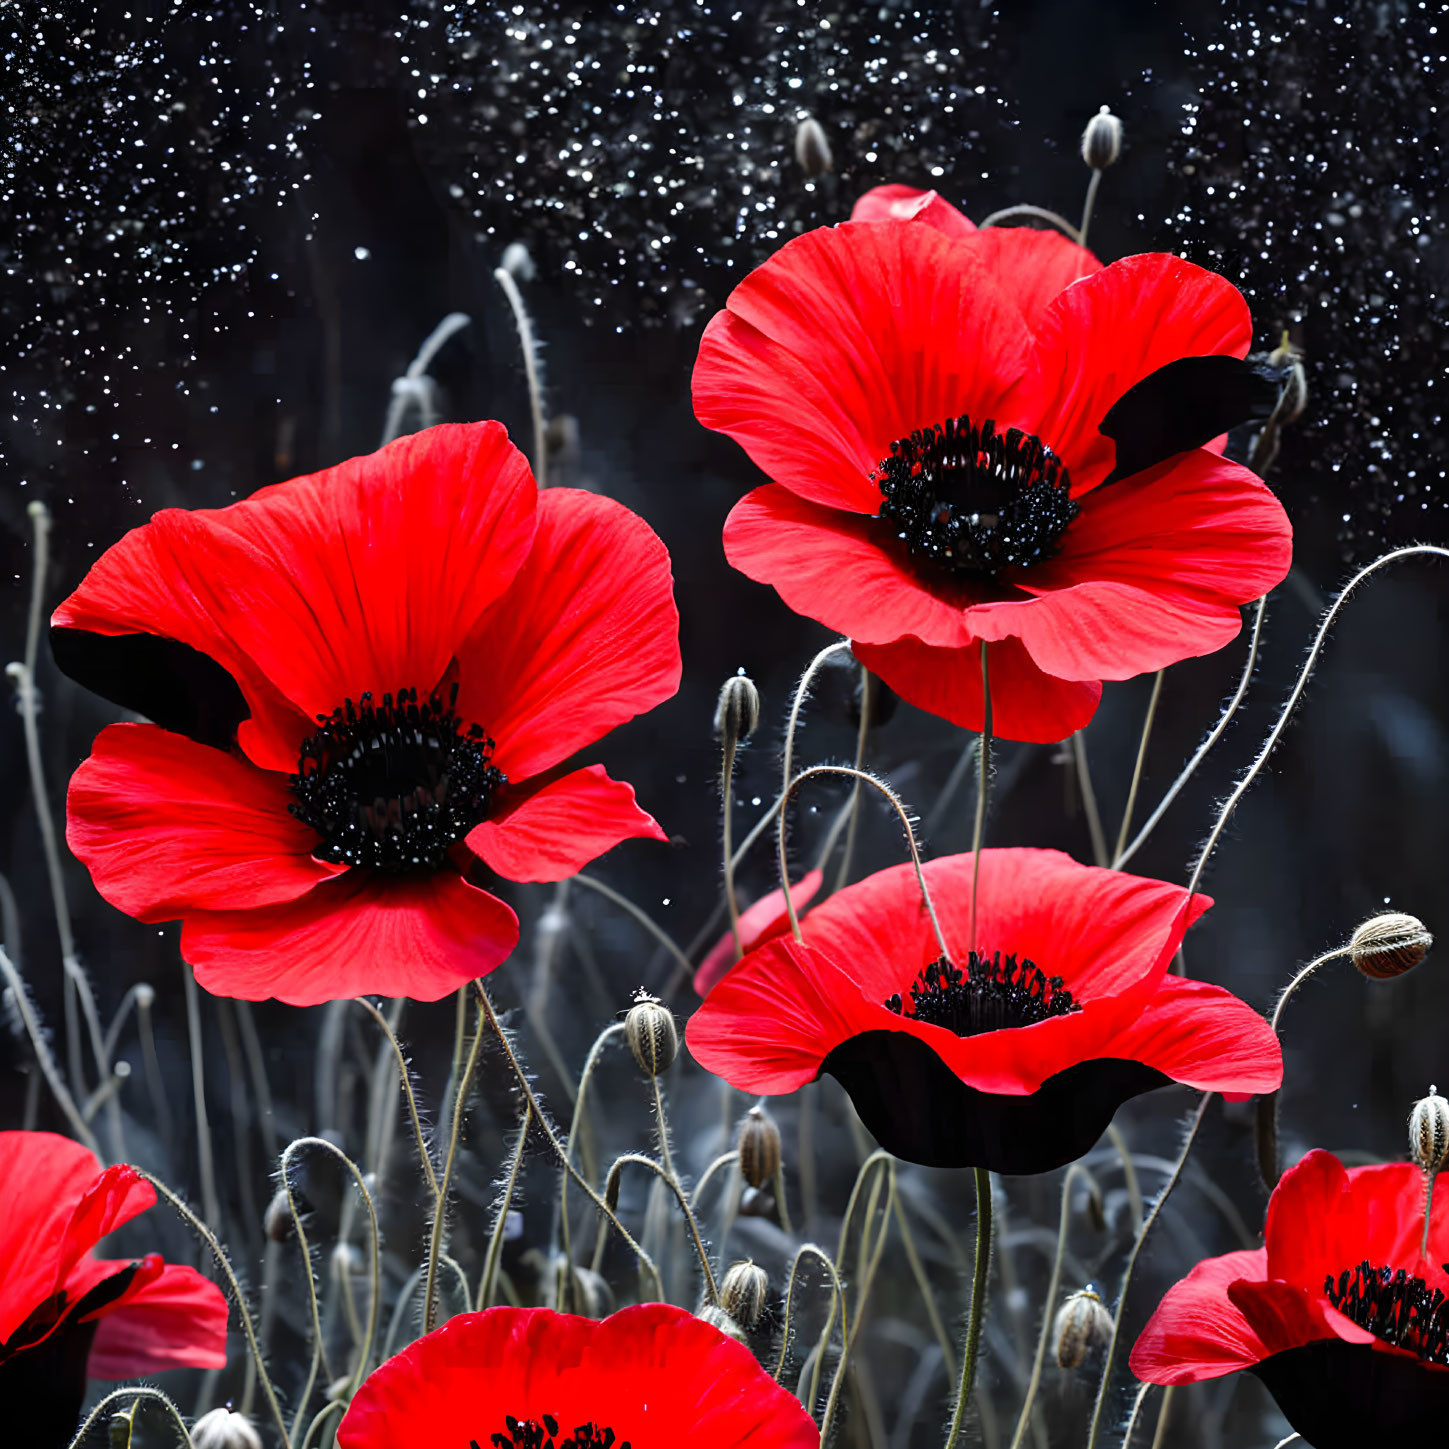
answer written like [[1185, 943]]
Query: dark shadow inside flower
[[1013, 1057], [1341, 1395]]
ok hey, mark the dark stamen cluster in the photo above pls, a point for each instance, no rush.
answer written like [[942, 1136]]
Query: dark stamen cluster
[[973, 501], [1393, 1306], [991, 993], [392, 786], [541, 1434]]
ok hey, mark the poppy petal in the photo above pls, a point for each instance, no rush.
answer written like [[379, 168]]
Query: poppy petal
[[1284, 1316], [1204, 1037], [166, 826], [1197, 1332], [176, 1320], [850, 338], [1108, 332], [1026, 702], [362, 934], [555, 832], [585, 639], [894, 202], [1033, 266], [1153, 571], [759, 923], [834, 567], [313, 591]]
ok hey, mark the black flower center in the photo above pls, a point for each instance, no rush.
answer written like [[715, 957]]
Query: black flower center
[[394, 785], [990, 994], [972, 501], [1393, 1306], [541, 1434]]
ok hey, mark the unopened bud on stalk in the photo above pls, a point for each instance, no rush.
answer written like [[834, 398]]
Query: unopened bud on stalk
[[278, 1217], [759, 1148], [145, 996], [347, 1261], [1102, 140], [718, 1318], [1388, 945], [812, 147], [652, 1035], [738, 711], [1429, 1131], [222, 1429], [1293, 399], [743, 1292], [1082, 1323]]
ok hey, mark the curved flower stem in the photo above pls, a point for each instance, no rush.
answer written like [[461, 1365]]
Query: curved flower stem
[[644, 919], [672, 1183], [217, 1252], [546, 1127], [319, 1348], [665, 1156], [1073, 1172], [880, 1155], [440, 1207], [1159, 1435], [867, 703], [1129, 1174], [405, 1295], [41, 1048], [210, 1203], [723, 1160], [983, 782], [837, 1301], [1418, 550], [1265, 1118], [139, 1394], [596, 1051], [729, 748], [1089, 798], [918, 1272], [405, 1077], [1224, 719], [1089, 205], [1104, 1386], [1039, 212], [487, 1282], [1137, 1403], [978, 1303], [1141, 755], [320, 1418], [529, 346]]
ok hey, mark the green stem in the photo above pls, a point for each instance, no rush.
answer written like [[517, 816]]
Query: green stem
[[978, 1303], [1141, 759]]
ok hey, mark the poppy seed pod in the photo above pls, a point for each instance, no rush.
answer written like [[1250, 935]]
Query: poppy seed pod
[[759, 1147], [1102, 140], [718, 1318], [222, 1429], [1429, 1131], [278, 1217], [652, 1035], [1082, 1323], [743, 1292], [738, 711], [1388, 945], [812, 147]]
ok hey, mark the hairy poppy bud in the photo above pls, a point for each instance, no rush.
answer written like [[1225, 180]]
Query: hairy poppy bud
[[1429, 1131], [278, 1217], [743, 1291], [517, 261], [738, 711], [718, 1318], [1293, 398], [1388, 945], [1102, 140], [759, 1148], [812, 147], [222, 1429], [652, 1035], [1082, 1322]]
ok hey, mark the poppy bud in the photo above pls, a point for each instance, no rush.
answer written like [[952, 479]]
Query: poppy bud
[[222, 1429], [738, 711], [1388, 945], [1082, 1323], [145, 996], [812, 147], [518, 262], [1293, 399], [652, 1035], [1429, 1131], [1102, 140], [743, 1291], [278, 1217], [759, 1147], [718, 1318]]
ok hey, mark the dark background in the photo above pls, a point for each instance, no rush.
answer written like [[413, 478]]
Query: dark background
[[227, 232]]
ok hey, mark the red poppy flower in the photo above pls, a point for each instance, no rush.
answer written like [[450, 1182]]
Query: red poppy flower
[[364, 682], [1338, 1313], [1012, 1055], [761, 922], [66, 1314], [986, 437], [649, 1377]]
